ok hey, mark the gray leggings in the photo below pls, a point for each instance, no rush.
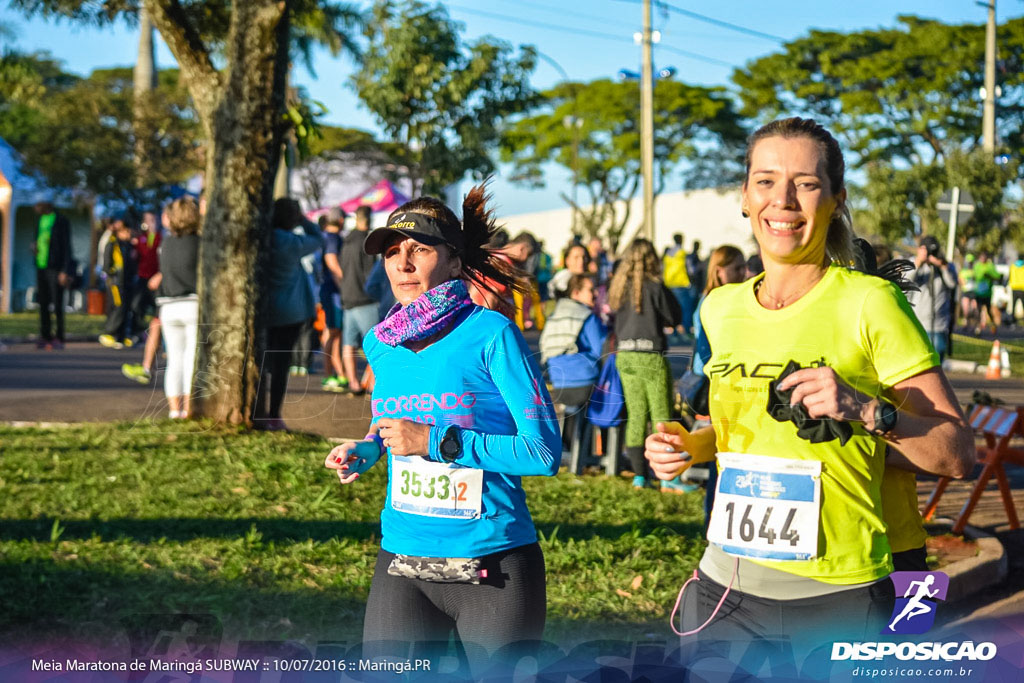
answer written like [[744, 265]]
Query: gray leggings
[[506, 608]]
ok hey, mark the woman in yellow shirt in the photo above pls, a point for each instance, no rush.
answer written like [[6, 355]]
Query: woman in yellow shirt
[[797, 541]]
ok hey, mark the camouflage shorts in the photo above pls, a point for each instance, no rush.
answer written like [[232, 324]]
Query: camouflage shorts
[[438, 569]]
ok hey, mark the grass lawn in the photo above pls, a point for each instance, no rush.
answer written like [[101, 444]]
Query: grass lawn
[[978, 350], [26, 325], [100, 524]]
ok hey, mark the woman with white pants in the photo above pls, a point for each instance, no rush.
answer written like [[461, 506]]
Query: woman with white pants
[[179, 304]]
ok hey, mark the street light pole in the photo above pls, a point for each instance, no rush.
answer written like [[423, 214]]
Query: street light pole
[[647, 124], [988, 121]]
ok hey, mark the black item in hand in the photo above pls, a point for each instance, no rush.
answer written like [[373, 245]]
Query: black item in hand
[[815, 430]]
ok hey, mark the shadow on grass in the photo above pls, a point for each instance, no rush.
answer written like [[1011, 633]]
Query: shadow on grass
[[287, 530], [43, 599]]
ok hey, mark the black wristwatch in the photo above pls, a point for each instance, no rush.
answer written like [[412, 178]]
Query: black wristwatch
[[886, 417], [451, 444]]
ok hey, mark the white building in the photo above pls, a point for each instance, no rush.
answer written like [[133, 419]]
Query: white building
[[711, 216]]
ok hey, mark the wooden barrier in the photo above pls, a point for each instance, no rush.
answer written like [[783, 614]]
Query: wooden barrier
[[998, 426]]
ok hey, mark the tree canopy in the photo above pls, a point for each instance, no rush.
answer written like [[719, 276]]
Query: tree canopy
[[905, 103], [440, 98], [79, 133], [593, 130]]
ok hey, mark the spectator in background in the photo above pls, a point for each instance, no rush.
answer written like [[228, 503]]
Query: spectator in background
[[179, 304], [675, 269], [122, 263], [492, 293], [290, 305], [575, 261], [754, 266], [643, 309], [725, 267], [934, 299], [54, 271], [523, 252], [360, 308], [697, 269], [545, 269], [600, 264], [302, 352], [379, 288], [570, 352], [330, 300]]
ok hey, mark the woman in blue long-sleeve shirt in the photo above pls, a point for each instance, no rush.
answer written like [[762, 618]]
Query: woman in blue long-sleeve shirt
[[462, 412]]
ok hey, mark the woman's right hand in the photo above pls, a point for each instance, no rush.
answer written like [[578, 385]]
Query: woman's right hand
[[668, 450], [340, 459]]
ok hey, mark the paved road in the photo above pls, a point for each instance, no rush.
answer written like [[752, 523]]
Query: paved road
[[83, 383]]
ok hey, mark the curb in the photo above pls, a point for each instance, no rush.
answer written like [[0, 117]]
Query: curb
[[974, 574]]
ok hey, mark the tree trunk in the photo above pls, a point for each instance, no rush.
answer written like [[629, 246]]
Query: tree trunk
[[241, 109], [144, 84]]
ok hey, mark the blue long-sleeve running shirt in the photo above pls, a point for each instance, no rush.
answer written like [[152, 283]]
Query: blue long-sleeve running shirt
[[482, 378]]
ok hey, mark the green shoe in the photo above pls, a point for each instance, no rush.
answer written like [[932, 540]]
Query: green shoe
[[110, 342], [335, 384], [136, 373]]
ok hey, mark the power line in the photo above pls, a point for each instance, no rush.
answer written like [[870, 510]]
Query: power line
[[692, 55], [718, 22], [582, 32], [565, 13]]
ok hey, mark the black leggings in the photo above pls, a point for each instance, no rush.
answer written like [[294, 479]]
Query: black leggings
[[49, 291], [280, 341], [508, 607], [854, 614]]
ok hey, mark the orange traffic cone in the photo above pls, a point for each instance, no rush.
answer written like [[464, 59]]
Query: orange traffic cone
[[995, 365]]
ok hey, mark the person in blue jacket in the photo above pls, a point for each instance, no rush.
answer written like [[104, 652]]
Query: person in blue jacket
[[290, 303], [461, 412]]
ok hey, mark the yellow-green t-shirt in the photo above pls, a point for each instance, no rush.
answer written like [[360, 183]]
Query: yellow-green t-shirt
[[863, 328], [904, 525]]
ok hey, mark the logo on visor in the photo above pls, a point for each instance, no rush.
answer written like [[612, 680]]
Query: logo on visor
[[402, 224], [915, 611]]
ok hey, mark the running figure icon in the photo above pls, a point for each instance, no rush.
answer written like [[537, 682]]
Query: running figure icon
[[915, 606]]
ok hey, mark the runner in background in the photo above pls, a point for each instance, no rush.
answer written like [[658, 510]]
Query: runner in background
[[144, 300], [985, 278], [459, 550], [968, 305], [808, 340], [1016, 284]]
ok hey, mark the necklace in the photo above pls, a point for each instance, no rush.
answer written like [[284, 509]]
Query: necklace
[[780, 302]]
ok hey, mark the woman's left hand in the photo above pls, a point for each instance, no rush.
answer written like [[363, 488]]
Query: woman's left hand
[[824, 394], [404, 437]]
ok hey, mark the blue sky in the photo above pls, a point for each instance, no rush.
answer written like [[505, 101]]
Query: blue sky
[[588, 39]]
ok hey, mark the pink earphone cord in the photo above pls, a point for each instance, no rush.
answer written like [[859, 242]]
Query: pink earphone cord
[[679, 599]]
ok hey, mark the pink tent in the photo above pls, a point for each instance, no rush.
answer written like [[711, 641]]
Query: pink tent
[[382, 197]]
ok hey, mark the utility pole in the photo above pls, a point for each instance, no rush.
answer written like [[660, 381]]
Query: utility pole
[[988, 121], [647, 124]]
